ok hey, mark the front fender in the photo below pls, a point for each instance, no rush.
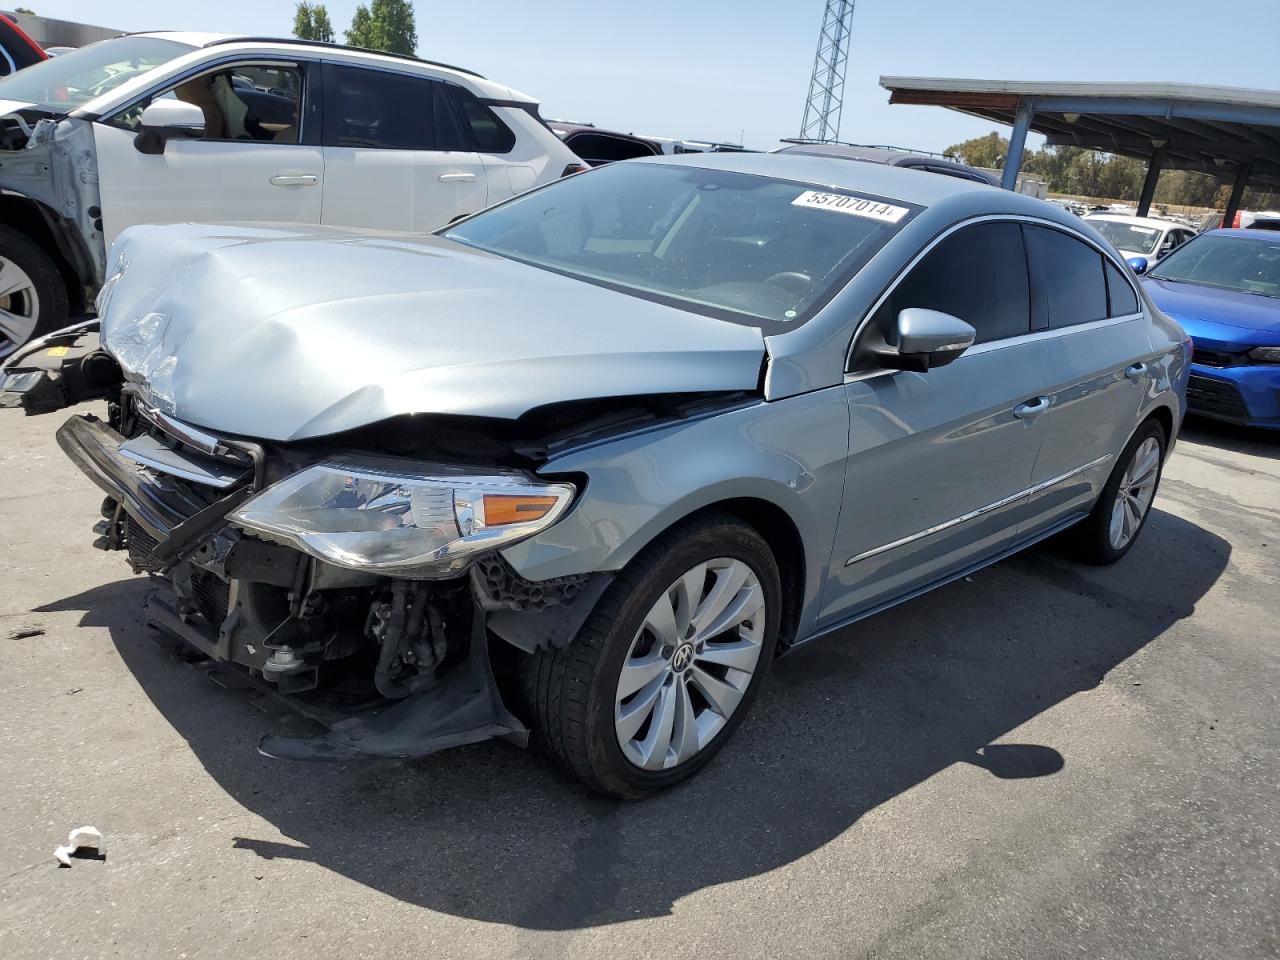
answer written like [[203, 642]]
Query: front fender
[[788, 453]]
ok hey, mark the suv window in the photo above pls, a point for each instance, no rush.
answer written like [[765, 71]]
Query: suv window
[[1122, 299], [978, 274], [245, 102], [376, 108], [1070, 286], [488, 133]]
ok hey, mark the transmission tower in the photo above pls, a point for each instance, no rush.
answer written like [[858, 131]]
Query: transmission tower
[[826, 87]]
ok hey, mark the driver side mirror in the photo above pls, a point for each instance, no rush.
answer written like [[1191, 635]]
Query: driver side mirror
[[1138, 265], [166, 120], [923, 339]]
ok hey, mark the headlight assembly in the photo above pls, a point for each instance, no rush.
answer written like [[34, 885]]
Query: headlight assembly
[[1265, 354], [376, 518]]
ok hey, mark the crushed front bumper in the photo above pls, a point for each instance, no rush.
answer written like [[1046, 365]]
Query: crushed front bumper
[[462, 705], [179, 522]]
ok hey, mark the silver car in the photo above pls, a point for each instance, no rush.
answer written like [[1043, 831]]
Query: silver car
[[584, 463]]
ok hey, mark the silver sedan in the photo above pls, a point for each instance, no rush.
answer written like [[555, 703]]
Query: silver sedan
[[584, 463]]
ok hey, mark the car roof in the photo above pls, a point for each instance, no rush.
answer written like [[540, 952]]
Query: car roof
[[874, 154], [201, 39], [900, 183], [1153, 222], [1245, 233]]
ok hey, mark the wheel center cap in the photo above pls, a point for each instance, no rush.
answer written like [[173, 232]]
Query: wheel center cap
[[682, 658]]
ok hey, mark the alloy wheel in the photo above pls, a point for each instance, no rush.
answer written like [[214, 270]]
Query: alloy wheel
[[690, 664], [1136, 491], [19, 307]]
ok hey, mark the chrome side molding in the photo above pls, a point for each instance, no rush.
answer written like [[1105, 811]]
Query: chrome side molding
[[981, 511]]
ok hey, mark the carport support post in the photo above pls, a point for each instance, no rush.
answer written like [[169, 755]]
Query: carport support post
[[1017, 140], [1153, 175], [1237, 193]]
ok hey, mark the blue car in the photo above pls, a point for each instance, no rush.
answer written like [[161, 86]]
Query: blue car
[[1223, 287]]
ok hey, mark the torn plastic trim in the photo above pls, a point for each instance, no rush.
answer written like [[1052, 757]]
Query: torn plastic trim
[[463, 706], [178, 522], [58, 370]]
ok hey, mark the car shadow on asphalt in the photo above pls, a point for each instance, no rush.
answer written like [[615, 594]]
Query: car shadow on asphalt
[[1229, 436], [493, 833]]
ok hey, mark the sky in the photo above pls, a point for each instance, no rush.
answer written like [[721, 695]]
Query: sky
[[738, 70]]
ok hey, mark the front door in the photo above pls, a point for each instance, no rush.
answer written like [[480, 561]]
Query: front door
[[940, 462], [395, 154], [253, 162]]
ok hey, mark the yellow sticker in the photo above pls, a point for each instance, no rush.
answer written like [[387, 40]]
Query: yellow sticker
[[58, 351]]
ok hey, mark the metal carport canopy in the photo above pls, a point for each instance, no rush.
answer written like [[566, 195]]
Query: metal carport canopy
[[1228, 132]]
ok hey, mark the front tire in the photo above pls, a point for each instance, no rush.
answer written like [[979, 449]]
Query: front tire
[[668, 663], [33, 297], [1125, 502]]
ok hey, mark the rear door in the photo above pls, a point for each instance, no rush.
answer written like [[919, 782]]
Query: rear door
[[259, 158], [1089, 315], [395, 153], [939, 462]]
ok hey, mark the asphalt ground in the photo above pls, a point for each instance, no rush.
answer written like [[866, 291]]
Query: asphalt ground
[[1043, 760]]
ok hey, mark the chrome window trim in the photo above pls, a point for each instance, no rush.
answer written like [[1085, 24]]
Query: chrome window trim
[[993, 345], [981, 511], [960, 225]]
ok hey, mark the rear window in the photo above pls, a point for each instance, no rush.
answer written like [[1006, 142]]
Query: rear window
[[1120, 293], [488, 133], [741, 247], [376, 108], [1071, 288]]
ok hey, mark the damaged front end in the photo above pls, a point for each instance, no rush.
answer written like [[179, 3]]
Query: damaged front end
[[372, 584]]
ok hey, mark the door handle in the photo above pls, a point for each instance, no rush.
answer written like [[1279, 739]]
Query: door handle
[[1031, 409], [294, 180], [1135, 371], [457, 178]]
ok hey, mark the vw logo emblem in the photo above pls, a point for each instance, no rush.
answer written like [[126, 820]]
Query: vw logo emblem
[[681, 659]]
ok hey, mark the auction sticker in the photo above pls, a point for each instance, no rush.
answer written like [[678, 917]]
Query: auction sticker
[[854, 206]]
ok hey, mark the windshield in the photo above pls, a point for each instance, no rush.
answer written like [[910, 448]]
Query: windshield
[[68, 81], [1230, 263], [738, 246], [1127, 236]]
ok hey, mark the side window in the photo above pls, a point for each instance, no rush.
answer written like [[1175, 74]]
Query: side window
[[375, 108], [1120, 293], [978, 274], [1070, 287], [258, 102], [488, 133]]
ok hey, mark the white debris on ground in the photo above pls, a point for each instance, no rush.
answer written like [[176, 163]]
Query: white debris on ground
[[80, 838]]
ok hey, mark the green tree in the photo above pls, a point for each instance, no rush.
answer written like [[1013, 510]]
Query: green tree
[[311, 22], [988, 151], [384, 25]]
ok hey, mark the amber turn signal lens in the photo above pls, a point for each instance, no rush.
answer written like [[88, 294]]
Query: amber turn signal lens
[[501, 508]]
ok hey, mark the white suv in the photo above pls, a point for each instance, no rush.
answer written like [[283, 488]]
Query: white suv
[[165, 127]]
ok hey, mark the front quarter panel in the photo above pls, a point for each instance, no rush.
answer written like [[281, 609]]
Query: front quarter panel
[[789, 453]]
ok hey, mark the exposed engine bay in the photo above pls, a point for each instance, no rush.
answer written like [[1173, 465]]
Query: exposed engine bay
[[418, 655]]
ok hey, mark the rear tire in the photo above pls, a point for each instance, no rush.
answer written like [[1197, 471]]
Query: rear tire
[[575, 695], [1124, 505], [34, 297]]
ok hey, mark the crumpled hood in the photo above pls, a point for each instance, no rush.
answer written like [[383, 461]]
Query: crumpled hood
[[1225, 317], [285, 333]]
